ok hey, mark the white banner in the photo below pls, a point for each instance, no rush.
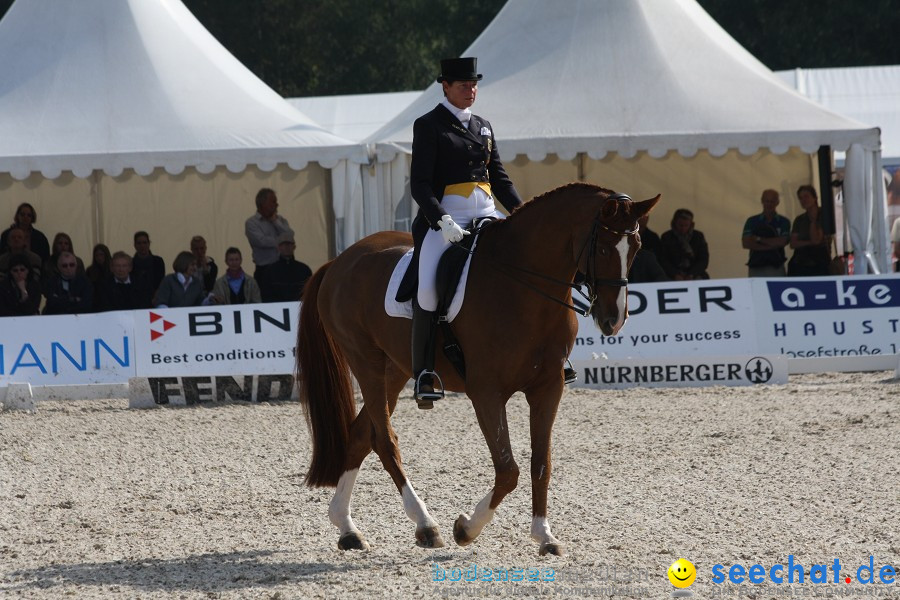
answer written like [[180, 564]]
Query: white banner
[[216, 340], [677, 318], [682, 372], [844, 319], [828, 317], [67, 349], [799, 318]]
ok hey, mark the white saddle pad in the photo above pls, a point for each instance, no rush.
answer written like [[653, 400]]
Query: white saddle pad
[[404, 309]]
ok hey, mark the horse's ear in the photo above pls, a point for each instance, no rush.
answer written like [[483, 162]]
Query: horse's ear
[[642, 208], [609, 208]]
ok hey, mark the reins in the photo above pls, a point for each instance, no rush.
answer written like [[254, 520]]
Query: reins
[[591, 296]]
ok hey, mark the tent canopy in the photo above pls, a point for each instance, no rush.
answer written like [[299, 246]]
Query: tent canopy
[[607, 76], [136, 84], [354, 116], [868, 94], [647, 96]]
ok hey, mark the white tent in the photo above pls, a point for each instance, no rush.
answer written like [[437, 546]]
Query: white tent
[[650, 97], [867, 94], [354, 116], [120, 115]]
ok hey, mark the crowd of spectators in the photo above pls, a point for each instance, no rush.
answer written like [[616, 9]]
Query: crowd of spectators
[[39, 278], [682, 252]]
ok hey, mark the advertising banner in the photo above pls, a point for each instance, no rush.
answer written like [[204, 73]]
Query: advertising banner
[[67, 349], [827, 317], [682, 372], [216, 340], [677, 319]]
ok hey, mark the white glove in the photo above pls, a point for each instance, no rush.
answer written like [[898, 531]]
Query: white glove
[[450, 230]]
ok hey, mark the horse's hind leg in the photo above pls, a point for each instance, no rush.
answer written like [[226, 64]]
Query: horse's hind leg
[[380, 386], [360, 444]]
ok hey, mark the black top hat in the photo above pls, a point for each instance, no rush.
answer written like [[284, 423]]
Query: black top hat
[[459, 69]]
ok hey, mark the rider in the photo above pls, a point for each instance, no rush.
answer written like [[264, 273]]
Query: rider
[[455, 175]]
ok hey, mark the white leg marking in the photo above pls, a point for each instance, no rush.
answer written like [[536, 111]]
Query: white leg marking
[[480, 516], [622, 249], [415, 508], [339, 509], [540, 531]]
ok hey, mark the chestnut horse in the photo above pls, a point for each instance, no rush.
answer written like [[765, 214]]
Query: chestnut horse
[[514, 336]]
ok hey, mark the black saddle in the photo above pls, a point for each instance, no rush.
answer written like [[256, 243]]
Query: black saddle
[[449, 273], [449, 269]]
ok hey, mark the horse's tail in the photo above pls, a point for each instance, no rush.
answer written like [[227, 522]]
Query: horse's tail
[[326, 392]]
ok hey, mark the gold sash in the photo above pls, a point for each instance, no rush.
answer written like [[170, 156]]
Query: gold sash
[[465, 189]]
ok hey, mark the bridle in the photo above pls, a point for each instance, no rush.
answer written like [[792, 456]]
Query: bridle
[[589, 281]]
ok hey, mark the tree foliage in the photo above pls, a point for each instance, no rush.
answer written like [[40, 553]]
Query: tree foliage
[[325, 47]]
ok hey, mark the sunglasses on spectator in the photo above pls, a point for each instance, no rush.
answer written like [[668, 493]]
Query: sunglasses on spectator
[[18, 269], [26, 214]]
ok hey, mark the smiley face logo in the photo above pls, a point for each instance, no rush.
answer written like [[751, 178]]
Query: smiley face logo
[[682, 573]]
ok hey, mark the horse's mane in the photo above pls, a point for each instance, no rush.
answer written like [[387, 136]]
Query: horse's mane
[[577, 186]]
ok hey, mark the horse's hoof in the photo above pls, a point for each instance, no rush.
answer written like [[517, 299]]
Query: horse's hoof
[[459, 533], [554, 548], [352, 541], [429, 537]]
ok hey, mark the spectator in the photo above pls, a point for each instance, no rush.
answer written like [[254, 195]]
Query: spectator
[[683, 252], [20, 293], [67, 291], [118, 291], [18, 247], [812, 251], [147, 269], [645, 268], [235, 286], [99, 270], [207, 270], [283, 281], [180, 288], [649, 238], [62, 242], [765, 236], [35, 241], [263, 229]]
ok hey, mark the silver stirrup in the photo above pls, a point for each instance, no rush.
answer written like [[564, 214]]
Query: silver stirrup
[[437, 394]]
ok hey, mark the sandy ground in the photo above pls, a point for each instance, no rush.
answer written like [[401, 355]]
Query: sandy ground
[[99, 501]]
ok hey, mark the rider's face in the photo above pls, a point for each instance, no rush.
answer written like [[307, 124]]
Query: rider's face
[[461, 94]]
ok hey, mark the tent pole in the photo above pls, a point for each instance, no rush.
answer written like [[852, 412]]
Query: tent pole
[[96, 208], [582, 159]]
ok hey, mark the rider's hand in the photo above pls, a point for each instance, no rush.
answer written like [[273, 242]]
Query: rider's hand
[[450, 230]]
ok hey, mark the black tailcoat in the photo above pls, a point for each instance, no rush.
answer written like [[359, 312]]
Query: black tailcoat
[[444, 153]]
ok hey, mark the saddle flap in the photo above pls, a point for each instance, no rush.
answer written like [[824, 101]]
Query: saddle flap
[[452, 264]]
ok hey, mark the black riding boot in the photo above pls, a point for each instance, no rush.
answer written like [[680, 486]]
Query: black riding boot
[[424, 326]]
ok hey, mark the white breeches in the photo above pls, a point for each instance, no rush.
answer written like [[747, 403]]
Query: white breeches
[[462, 210]]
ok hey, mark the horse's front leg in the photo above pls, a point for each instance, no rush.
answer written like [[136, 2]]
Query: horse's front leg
[[544, 403], [492, 419]]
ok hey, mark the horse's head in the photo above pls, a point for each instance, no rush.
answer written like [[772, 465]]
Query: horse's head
[[607, 255]]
